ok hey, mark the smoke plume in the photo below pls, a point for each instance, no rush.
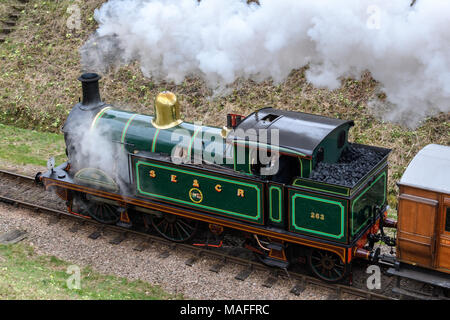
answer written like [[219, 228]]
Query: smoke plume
[[406, 48], [95, 148]]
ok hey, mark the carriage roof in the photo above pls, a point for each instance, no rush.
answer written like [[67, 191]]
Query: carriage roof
[[429, 169]]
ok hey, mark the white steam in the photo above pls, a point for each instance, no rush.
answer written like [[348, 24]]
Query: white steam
[[95, 148], [406, 49]]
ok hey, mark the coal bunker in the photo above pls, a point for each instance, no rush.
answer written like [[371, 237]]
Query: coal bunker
[[355, 162]]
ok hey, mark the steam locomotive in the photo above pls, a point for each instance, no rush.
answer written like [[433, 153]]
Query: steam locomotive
[[289, 182]]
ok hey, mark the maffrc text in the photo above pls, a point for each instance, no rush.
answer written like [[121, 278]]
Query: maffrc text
[[233, 309]]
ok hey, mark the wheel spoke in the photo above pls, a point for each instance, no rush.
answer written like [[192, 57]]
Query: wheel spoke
[[187, 225], [102, 212], [171, 230], [178, 224], [166, 225], [340, 267], [337, 272], [318, 265], [174, 228], [97, 209], [179, 232], [159, 223], [326, 265], [108, 211]]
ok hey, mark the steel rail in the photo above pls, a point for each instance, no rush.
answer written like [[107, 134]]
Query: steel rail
[[15, 175]]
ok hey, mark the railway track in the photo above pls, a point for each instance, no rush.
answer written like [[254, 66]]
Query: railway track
[[298, 281]]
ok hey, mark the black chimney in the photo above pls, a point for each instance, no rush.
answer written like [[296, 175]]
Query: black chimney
[[91, 93]]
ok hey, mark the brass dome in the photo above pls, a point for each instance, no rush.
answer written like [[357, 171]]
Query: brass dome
[[167, 111]]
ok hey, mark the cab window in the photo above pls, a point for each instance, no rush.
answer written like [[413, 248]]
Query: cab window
[[320, 155], [288, 169], [268, 167], [341, 139], [278, 168]]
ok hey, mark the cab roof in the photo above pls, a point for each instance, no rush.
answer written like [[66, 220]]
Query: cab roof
[[299, 133]]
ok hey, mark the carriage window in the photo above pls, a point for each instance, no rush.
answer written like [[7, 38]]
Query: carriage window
[[447, 220]]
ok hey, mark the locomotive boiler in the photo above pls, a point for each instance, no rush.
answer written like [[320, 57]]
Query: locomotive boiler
[[289, 182]]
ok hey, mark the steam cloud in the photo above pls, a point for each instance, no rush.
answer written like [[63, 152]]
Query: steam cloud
[[406, 49], [95, 148]]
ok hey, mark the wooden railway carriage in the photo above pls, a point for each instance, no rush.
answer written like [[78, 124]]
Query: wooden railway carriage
[[424, 210], [179, 173], [423, 239]]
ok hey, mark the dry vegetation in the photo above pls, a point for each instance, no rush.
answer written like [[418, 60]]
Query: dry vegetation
[[40, 65], [3, 8]]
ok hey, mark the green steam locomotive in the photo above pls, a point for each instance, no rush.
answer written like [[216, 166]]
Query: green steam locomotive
[[289, 182]]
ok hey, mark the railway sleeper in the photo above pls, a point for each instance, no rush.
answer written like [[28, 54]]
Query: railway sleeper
[[119, 238], [191, 261], [165, 254], [244, 274], [270, 281], [298, 288], [96, 234], [218, 266]]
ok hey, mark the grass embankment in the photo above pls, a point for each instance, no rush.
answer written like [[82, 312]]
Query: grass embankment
[[21, 146], [26, 275], [40, 65]]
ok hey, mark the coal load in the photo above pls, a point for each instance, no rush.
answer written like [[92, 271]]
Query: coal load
[[355, 162]]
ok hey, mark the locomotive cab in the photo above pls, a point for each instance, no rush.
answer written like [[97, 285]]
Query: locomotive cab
[[282, 145]]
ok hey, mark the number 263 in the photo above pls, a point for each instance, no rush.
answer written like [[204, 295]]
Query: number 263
[[318, 216]]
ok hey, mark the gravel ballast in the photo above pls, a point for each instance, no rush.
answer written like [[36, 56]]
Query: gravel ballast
[[171, 273]]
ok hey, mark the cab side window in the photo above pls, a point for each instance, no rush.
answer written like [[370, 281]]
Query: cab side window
[[288, 169], [260, 167], [320, 154], [341, 139]]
